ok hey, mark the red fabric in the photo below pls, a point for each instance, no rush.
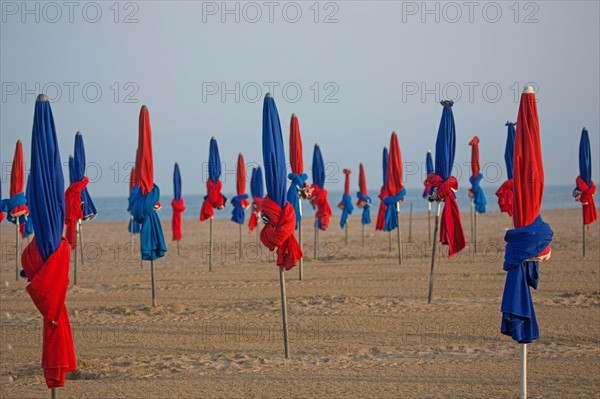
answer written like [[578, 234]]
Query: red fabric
[[214, 199], [346, 186], [178, 208], [144, 167], [256, 208], [296, 160], [1, 216], [528, 167], [131, 179], [241, 180], [394, 167], [382, 207], [475, 167], [586, 198], [505, 197], [362, 184], [48, 289], [22, 230], [319, 199], [73, 209], [451, 230], [17, 179], [279, 232]]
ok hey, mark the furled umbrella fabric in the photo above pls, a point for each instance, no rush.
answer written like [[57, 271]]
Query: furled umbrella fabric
[[505, 192], [178, 204], [73, 203], [278, 213], [476, 192], [383, 193], [213, 198], [27, 229], [3, 206], [530, 240], [46, 259], [145, 195], [79, 167], [257, 191], [429, 170], [364, 201], [586, 189], [297, 176], [17, 203], [319, 192], [443, 185], [346, 204], [240, 201], [133, 227], [394, 187]]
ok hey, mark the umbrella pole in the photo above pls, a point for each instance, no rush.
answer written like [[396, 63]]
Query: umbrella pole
[[346, 234], [389, 241], [429, 221], [75, 258], [583, 230], [410, 224], [475, 229], [316, 251], [523, 371], [53, 394], [286, 345], [152, 274], [301, 261], [241, 249], [363, 235], [472, 226], [17, 248], [435, 230], [210, 240], [80, 241], [399, 234], [177, 247]]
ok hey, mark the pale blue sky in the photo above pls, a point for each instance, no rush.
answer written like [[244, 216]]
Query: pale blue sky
[[370, 58]]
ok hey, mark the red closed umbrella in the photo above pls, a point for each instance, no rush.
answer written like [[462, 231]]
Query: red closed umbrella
[[395, 191], [17, 203]]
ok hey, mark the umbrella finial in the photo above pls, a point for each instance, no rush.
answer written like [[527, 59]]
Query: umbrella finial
[[294, 115], [429, 151], [144, 106], [528, 89], [42, 97], [268, 95], [78, 133], [447, 103]]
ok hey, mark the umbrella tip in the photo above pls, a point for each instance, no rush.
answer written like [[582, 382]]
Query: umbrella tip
[[528, 89], [144, 106], [268, 95], [429, 151], [78, 133], [294, 115], [42, 97], [212, 138]]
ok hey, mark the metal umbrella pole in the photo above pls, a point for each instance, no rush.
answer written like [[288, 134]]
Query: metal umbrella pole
[[17, 224], [153, 292], [435, 230], [210, 244], [301, 261], [410, 224], [399, 234], [286, 344]]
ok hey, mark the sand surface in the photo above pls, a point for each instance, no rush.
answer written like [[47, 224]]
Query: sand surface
[[360, 325]]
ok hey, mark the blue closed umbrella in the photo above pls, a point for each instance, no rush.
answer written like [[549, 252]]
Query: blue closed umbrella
[[256, 183], [585, 187], [176, 183], [214, 161], [319, 195], [510, 148], [382, 194], [89, 209], [28, 224], [273, 153], [445, 145], [585, 158], [318, 167], [429, 163]]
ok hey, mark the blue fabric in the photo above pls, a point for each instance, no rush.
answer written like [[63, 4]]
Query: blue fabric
[[478, 195], [29, 224], [585, 158], [445, 145], [214, 161], [273, 153], [385, 162], [176, 183], [256, 183], [152, 239], [429, 163], [518, 315], [297, 182], [366, 215], [237, 215], [89, 209], [347, 211], [47, 199], [13, 202], [391, 214], [318, 167], [509, 150], [133, 226]]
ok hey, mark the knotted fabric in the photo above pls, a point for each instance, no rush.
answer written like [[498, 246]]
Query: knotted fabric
[[143, 209], [240, 203], [477, 192], [279, 232], [3, 209], [522, 245], [364, 202], [297, 183], [382, 209], [212, 199], [505, 197], [391, 210], [586, 198], [319, 200], [346, 206], [16, 207], [451, 231], [73, 209], [47, 288], [256, 204], [178, 209]]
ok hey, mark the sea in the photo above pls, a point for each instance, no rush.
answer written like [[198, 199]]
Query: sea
[[115, 208]]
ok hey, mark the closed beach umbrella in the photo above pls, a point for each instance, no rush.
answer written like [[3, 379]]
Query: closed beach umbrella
[[442, 186], [79, 165], [476, 194], [46, 258], [178, 205], [257, 192], [586, 189], [17, 202], [382, 193], [346, 203], [133, 227], [364, 201], [278, 213], [529, 241], [505, 192], [145, 196], [429, 169], [395, 191], [240, 201], [319, 192]]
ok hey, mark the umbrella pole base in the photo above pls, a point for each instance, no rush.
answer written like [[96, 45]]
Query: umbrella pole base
[[286, 345], [301, 261], [53, 394], [523, 371], [152, 276]]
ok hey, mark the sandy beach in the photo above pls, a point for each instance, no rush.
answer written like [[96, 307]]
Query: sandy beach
[[360, 325]]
